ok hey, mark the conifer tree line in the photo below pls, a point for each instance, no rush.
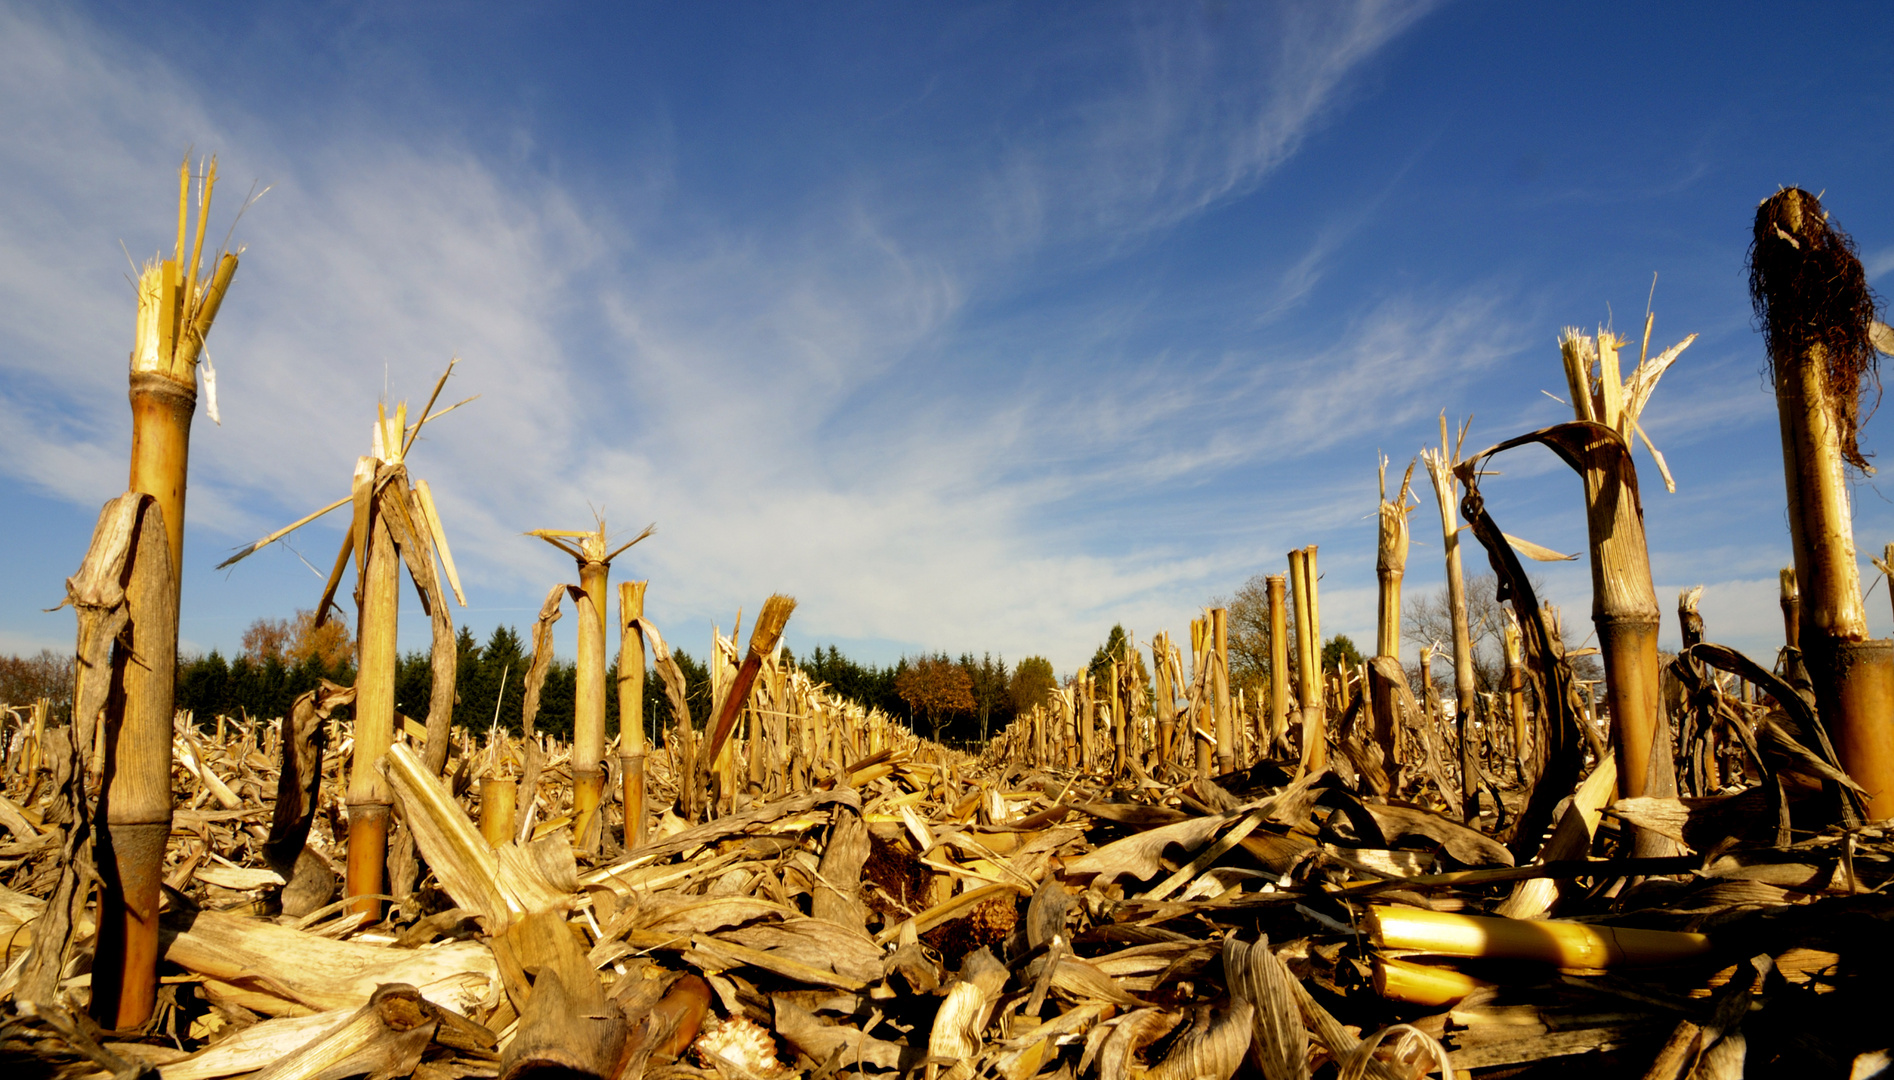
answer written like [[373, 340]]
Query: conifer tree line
[[959, 700], [273, 668], [956, 700]]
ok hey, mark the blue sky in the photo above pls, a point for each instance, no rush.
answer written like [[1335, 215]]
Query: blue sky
[[975, 327]]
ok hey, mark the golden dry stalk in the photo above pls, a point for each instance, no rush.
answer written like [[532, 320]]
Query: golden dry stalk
[[176, 308], [594, 555], [1812, 296]]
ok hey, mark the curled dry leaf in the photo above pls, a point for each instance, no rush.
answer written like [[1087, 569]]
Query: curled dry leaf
[[955, 1036], [1463, 844], [821, 1041], [1139, 855], [1124, 1037], [1256, 975], [1414, 1053], [1211, 1051]]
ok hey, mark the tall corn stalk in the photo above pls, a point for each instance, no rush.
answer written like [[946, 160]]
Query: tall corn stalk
[[1309, 661], [1203, 736], [1885, 564], [723, 663], [392, 524], [1278, 663], [1087, 717], [1440, 466], [1817, 314], [1430, 712], [1391, 561], [1790, 600], [176, 308], [1220, 689], [1165, 703], [1597, 446], [1120, 748], [591, 600], [378, 608], [1516, 693]]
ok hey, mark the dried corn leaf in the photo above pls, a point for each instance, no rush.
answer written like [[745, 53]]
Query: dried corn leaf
[[1211, 1051], [824, 1043], [1139, 855], [305, 971], [1255, 976]]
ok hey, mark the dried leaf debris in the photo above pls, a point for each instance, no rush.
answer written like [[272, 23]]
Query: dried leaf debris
[[904, 908]]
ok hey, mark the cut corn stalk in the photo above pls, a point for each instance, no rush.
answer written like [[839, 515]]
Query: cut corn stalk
[[176, 308], [591, 600], [1420, 984], [1390, 697], [1308, 663], [1812, 298], [1548, 941], [1278, 661], [631, 734], [1441, 465], [1220, 689], [390, 525], [1624, 602]]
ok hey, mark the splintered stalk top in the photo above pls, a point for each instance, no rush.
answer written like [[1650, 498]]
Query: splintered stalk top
[[176, 306], [1391, 561]]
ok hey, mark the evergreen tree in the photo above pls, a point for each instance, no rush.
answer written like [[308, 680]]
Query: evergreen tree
[[1339, 652], [869, 686], [414, 686], [203, 684], [1117, 647], [1032, 681], [991, 705]]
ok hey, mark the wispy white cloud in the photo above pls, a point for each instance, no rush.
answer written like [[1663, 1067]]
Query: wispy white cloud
[[1740, 610], [797, 406], [1205, 110], [1878, 263]]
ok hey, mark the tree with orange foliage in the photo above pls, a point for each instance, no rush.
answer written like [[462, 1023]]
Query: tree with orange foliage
[[290, 642], [265, 640], [26, 679], [934, 686]]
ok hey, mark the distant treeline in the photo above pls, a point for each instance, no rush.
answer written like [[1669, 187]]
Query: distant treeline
[[489, 683], [286, 658], [26, 679], [209, 684]]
